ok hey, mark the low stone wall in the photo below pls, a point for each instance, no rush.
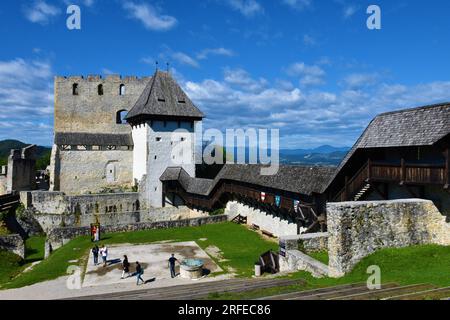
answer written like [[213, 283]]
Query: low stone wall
[[55, 209], [309, 242], [60, 236], [265, 221], [13, 243], [357, 229], [296, 260]]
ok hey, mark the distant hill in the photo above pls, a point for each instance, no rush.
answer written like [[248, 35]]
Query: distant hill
[[43, 153], [323, 155]]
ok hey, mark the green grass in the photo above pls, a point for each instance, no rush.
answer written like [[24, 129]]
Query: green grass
[[411, 265], [12, 265], [321, 256], [240, 246]]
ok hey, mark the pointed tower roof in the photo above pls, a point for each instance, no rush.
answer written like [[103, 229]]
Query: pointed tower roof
[[163, 99]]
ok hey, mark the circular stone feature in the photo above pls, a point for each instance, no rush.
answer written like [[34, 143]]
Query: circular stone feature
[[191, 268]]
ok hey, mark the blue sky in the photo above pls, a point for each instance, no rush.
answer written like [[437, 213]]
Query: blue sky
[[310, 68]]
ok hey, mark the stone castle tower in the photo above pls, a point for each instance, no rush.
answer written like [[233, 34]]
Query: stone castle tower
[[117, 132]]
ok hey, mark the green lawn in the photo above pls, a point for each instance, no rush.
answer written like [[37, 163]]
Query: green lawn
[[240, 246], [12, 265], [411, 265]]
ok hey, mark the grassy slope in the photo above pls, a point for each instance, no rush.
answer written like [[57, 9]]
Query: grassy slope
[[411, 265], [239, 245], [11, 265]]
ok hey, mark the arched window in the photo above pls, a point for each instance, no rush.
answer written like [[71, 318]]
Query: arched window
[[100, 89], [122, 90], [120, 117], [75, 89]]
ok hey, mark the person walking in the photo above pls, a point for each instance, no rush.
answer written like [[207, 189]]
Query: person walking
[[172, 261], [139, 273], [126, 267], [104, 252], [95, 251]]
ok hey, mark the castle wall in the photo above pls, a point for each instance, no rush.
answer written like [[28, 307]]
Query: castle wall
[[357, 229], [167, 147], [265, 221], [140, 151], [90, 112], [81, 172]]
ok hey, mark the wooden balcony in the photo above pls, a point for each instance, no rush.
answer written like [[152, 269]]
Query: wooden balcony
[[403, 173]]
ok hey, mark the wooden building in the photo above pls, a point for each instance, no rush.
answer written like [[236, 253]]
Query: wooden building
[[401, 154]]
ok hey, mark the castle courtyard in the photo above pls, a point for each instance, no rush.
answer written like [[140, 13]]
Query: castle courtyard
[[152, 257]]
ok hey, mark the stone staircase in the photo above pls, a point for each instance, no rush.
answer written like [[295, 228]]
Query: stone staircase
[[199, 290], [362, 192], [359, 291]]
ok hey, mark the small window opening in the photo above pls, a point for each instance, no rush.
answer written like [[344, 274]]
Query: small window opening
[[100, 89], [183, 139], [75, 89], [122, 90], [121, 117], [156, 157], [158, 139], [161, 100]]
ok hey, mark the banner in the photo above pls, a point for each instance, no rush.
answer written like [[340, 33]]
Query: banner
[[296, 203], [277, 201]]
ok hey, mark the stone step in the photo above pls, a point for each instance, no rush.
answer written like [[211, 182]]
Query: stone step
[[196, 291], [432, 294], [285, 296], [385, 292], [342, 293]]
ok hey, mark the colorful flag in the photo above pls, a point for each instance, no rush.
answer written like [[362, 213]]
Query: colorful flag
[[277, 201], [296, 203], [263, 196]]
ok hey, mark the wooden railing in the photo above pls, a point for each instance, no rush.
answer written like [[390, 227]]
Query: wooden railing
[[9, 201], [403, 173], [229, 190]]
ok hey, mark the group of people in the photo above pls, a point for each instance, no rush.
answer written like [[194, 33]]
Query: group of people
[[103, 252]]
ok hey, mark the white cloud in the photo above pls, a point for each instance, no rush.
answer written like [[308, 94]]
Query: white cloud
[[298, 4], [248, 8], [359, 80], [184, 59], [305, 117], [309, 74], [215, 51], [149, 16], [309, 40], [26, 98], [350, 11], [41, 12]]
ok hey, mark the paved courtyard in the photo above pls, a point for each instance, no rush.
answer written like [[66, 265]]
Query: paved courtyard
[[152, 257]]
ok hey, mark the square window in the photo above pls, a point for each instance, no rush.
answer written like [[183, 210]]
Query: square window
[[158, 139]]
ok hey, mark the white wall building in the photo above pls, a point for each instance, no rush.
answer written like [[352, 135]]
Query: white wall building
[[163, 124]]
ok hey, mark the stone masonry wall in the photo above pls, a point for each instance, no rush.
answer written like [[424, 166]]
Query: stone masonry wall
[[80, 172], [13, 243], [90, 112], [60, 236], [275, 225], [55, 209], [357, 229]]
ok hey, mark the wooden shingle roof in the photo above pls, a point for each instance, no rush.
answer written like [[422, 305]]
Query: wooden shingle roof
[[163, 97], [93, 139], [296, 179], [423, 126]]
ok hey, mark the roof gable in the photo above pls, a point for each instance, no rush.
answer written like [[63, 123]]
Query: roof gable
[[163, 97]]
